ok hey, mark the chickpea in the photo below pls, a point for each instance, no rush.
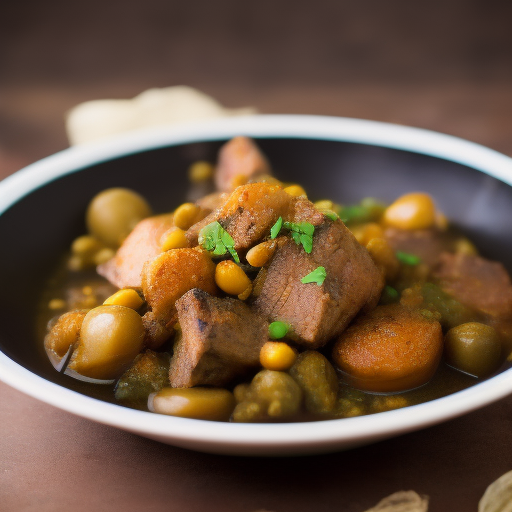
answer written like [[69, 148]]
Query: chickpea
[[113, 213], [200, 171], [110, 338], [174, 239], [260, 254], [473, 348], [128, 298], [277, 355], [384, 257], [366, 232], [411, 211], [187, 214], [295, 191], [230, 278], [212, 404]]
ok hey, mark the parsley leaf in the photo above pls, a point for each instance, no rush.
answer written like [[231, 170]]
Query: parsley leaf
[[330, 214], [302, 233], [317, 276], [407, 258], [214, 238], [274, 230]]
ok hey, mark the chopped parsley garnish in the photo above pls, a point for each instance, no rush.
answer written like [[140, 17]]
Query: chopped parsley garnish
[[407, 258], [215, 239], [330, 214], [302, 233], [274, 230], [317, 276], [389, 295], [278, 330]]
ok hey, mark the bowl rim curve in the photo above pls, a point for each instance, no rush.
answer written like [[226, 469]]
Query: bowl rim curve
[[256, 439]]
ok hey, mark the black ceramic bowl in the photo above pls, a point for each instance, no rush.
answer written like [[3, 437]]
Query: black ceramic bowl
[[42, 210]]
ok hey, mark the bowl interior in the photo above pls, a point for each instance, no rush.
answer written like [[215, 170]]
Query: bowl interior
[[39, 228]]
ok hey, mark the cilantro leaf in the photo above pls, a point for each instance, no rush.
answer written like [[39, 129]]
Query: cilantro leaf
[[331, 215], [214, 238], [407, 258], [317, 276], [302, 233], [274, 230]]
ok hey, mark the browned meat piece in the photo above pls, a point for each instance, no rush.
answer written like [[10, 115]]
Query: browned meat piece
[[303, 210], [239, 156], [477, 283], [221, 340], [212, 201], [141, 245], [427, 244], [248, 214], [315, 313], [168, 276]]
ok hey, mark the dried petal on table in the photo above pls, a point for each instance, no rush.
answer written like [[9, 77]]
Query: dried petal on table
[[498, 496], [402, 501]]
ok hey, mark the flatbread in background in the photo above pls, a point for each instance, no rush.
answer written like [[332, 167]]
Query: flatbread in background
[[402, 501], [100, 119], [498, 496]]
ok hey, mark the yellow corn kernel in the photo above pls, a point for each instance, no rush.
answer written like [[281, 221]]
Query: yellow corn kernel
[[200, 171], [324, 204], [55, 304], [186, 215], [258, 255], [411, 211], [295, 191], [384, 257], [230, 278], [86, 246], [174, 239], [239, 180], [277, 356], [126, 297], [103, 255]]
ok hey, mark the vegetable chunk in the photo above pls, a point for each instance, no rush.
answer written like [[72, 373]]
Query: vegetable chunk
[[390, 349], [167, 277]]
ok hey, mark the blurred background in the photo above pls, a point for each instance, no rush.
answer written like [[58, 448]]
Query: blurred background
[[443, 65]]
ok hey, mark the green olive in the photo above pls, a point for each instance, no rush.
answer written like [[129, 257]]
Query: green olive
[[110, 339], [473, 348], [213, 404], [113, 213], [272, 395], [317, 379]]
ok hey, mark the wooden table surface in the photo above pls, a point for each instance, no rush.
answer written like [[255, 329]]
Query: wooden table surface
[[445, 66]]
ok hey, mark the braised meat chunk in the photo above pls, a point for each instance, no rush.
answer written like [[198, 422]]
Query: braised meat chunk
[[477, 283], [221, 340], [141, 245], [239, 157], [318, 313]]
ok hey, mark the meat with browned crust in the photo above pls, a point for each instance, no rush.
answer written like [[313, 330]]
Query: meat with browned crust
[[315, 313], [221, 340]]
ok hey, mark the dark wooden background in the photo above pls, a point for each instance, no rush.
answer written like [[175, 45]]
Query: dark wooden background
[[442, 65]]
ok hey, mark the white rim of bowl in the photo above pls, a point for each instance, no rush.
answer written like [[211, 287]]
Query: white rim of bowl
[[270, 436]]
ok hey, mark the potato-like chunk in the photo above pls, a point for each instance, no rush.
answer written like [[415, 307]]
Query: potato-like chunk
[[390, 349], [63, 336], [167, 277]]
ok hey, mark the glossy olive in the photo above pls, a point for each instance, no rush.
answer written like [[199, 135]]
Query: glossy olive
[[113, 213], [318, 381], [272, 395], [110, 339], [213, 404], [473, 348]]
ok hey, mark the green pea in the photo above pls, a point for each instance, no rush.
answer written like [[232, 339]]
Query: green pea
[[278, 330]]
